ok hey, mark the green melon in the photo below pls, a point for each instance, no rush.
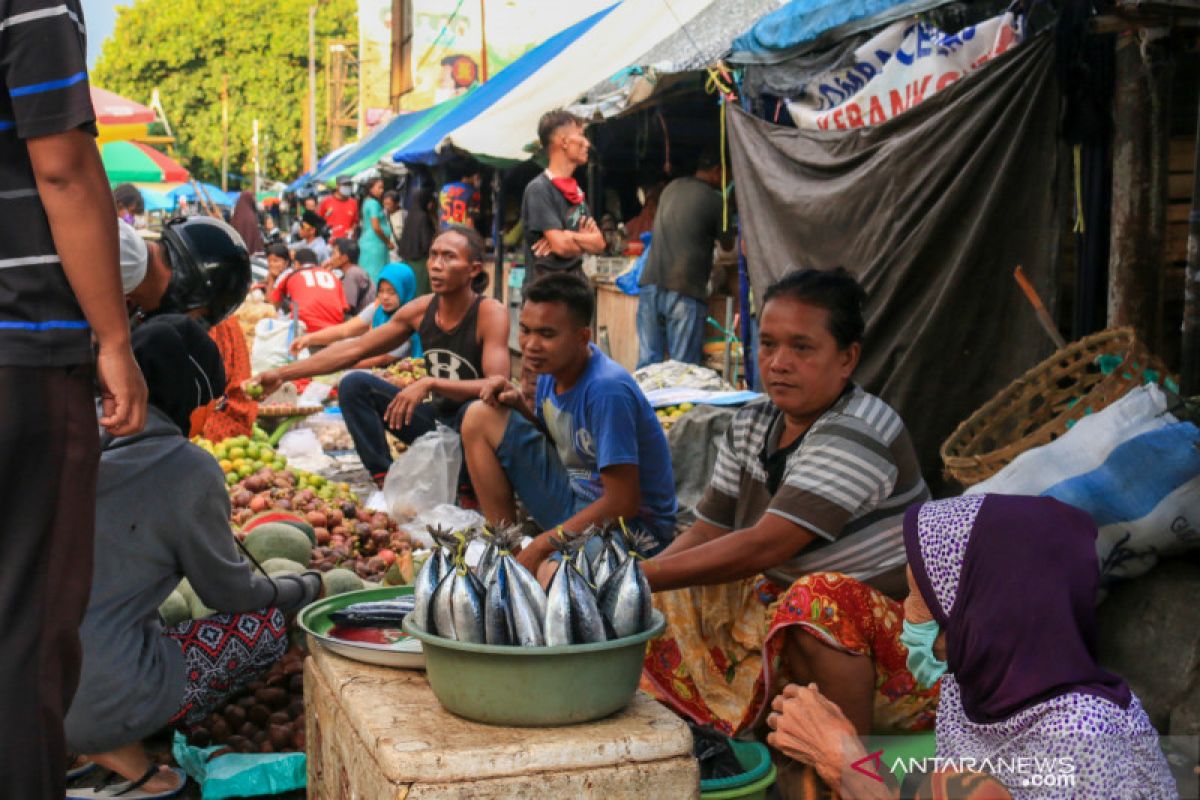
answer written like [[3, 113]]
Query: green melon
[[340, 580], [278, 540], [197, 608], [275, 515], [274, 566], [174, 610]]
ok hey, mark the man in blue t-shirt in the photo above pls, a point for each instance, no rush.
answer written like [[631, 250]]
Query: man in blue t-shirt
[[591, 449]]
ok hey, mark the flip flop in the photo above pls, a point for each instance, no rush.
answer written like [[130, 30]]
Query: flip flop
[[74, 773], [130, 790]]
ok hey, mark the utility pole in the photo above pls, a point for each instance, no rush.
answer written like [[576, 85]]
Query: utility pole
[[224, 132], [254, 142], [483, 67], [312, 88]]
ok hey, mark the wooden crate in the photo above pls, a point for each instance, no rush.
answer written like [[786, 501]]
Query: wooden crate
[[379, 734]]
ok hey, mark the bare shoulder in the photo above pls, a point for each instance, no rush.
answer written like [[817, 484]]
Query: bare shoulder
[[414, 310]]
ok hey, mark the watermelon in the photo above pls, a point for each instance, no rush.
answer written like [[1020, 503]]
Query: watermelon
[[340, 580], [197, 608], [285, 517], [274, 566], [174, 610], [279, 540]]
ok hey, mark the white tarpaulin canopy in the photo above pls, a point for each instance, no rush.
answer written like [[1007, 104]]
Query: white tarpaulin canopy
[[508, 129]]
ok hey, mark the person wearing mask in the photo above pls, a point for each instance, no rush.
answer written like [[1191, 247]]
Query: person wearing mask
[[376, 239], [558, 227], [340, 209], [60, 295], [245, 222], [311, 291], [465, 339], [396, 287], [420, 228], [673, 290], [356, 284], [1000, 614], [796, 553], [458, 201], [139, 676], [588, 451], [131, 206], [311, 225]]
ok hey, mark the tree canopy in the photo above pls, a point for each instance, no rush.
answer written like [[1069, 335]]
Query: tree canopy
[[184, 47]]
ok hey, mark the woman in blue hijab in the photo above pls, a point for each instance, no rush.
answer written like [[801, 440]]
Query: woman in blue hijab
[[396, 286]]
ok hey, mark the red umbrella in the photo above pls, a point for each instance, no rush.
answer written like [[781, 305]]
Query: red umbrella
[[112, 109]]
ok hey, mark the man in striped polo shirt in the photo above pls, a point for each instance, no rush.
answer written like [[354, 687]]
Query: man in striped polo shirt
[[790, 571], [60, 284]]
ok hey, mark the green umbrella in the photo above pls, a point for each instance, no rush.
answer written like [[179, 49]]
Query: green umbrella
[[129, 162]]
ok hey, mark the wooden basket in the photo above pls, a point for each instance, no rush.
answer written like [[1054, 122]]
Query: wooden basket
[[1042, 404]]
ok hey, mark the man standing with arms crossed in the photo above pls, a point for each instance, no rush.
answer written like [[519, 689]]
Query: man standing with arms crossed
[[59, 283], [558, 227]]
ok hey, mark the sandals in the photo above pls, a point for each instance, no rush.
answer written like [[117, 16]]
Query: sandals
[[129, 790], [76, 772]]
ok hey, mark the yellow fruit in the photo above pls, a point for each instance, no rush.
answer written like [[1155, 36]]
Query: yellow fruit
[[237, 452], [226, 465], [252, 451], [221, 452], [685, 407]]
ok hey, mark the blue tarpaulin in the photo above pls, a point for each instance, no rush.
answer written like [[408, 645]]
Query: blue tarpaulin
[[779, 35], [423, 148]]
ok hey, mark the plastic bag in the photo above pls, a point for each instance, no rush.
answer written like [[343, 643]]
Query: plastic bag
[[303, 450], [272, 337], [446, 516], [627, 282], [424, 476], [240, 774]]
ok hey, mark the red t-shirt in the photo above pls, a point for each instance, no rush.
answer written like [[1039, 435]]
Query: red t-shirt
[[317, 295], [341, 213]]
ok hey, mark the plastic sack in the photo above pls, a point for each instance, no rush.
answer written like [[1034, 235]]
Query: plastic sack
[[240, 774], [424, 476], [445, 516], [272, 338], [1135, 467], [303, 450], [627, 281]]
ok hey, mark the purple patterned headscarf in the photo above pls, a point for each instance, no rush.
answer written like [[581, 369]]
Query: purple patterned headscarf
[[1012, 581]]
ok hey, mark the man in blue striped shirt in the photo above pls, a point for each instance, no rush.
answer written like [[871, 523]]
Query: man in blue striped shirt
[[60, 285]]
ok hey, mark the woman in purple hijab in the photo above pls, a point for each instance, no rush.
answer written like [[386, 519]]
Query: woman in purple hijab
[[1001, 609]]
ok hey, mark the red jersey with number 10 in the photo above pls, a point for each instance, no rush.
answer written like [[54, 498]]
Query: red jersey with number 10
[[315, 293]]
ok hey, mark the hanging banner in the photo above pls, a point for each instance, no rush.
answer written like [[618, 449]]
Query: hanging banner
[[903, 65], [374, 62]]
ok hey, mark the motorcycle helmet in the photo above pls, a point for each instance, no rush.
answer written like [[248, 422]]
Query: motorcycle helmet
[[210, 268]]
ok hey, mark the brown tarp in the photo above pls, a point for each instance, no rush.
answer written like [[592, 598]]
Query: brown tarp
[[931, 210]]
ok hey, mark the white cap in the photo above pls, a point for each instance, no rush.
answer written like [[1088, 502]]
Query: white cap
[[134, 257]]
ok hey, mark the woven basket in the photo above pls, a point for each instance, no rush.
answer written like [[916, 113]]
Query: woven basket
[[1041, 405]]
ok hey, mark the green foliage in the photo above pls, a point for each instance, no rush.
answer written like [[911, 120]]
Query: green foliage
[[183, 47]]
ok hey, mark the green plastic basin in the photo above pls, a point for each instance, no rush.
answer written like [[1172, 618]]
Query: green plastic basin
[[534, 686], [755, 759]]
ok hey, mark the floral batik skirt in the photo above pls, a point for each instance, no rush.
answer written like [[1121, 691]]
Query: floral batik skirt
[[720, 653]]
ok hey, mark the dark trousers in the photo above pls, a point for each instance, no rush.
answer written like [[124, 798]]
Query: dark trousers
[[49, 452], [363, 399]]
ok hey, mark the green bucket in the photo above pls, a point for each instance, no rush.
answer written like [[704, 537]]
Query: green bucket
[[534, 686], [752, 784]]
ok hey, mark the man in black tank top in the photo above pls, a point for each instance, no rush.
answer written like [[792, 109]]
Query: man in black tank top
[[465, 336]]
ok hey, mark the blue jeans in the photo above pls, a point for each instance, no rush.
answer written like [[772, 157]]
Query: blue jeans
[[363, 399], [537, 476], [671, 319]]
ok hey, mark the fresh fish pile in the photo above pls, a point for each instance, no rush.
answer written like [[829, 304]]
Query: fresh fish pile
[[624, 598], [572, 616], [379, 614], [515, 605], [589, 600]]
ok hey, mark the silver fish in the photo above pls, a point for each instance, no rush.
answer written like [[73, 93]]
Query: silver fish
[[441, 609], [424, 586], [625, 600], [605, 563], [510, 617], [587, 623], [466, 602], [487, 561], [572, 616], [557, 626]]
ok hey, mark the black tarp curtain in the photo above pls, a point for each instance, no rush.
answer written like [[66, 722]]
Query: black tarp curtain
[[932, 211]]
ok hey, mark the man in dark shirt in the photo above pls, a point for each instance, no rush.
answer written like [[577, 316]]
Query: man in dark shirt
[[558, 227], [673, 297], [60, 285]]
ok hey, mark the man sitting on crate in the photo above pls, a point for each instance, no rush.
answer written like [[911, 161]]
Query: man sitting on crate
[[589, 451], [796, 558], [465, 337]]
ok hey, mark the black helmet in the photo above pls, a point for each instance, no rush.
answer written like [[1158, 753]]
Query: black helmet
[[210, 268]]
